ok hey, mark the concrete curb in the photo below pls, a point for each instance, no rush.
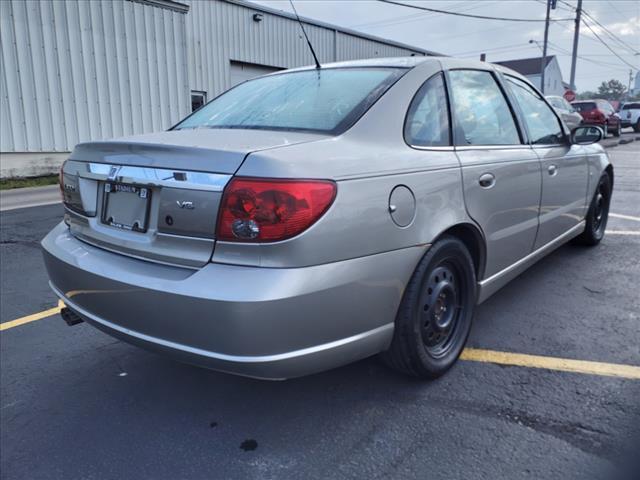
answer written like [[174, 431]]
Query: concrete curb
[[29, 197]]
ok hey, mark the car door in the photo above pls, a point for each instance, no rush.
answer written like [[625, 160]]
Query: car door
[[565, 171], [501, 174]]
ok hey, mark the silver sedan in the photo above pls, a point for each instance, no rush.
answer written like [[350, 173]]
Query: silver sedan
[[314, 217], [567, 113]]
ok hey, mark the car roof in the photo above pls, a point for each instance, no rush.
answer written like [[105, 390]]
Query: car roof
[[402, 62], [408, 62]]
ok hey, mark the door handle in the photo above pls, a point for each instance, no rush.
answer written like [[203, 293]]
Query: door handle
[[553, 170], [487, 180]]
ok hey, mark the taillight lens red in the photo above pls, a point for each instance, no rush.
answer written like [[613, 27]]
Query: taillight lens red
[[61, 181], [268, 210]]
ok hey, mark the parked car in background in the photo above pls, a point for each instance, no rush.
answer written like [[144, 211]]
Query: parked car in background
[[569, 114], [317, 216], [600, 113], [630, 115]]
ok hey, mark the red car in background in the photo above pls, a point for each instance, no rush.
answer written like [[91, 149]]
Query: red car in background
[[600, 113]]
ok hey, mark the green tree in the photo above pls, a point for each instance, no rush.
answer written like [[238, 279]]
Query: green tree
[[587, 95], [612, 90]]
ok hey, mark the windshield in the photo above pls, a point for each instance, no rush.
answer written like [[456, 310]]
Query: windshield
[[631, 106], [326, 100], [584, 106]]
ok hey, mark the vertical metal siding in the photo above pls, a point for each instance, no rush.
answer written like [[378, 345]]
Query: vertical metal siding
[[73, 71], [219, 32]]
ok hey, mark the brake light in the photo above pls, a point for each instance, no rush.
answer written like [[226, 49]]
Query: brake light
[[268, 210], [61, 181], [598, 115]]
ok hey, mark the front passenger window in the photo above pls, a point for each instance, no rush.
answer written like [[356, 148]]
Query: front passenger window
[[542, 123], [482, 114], [427, 123]]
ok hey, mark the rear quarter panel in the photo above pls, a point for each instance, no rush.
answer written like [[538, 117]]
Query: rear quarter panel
[[367, 162]]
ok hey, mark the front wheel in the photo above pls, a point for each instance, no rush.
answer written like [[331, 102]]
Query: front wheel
[[617, 131], [636, 127], [598, 214], [434, 318]]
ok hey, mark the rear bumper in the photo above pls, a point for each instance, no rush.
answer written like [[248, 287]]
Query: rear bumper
[[259, 322]]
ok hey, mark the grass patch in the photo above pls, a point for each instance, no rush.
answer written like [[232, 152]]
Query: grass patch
[[10, 183]]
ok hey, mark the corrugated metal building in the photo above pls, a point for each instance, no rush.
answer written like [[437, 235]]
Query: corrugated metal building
[[79, 70]]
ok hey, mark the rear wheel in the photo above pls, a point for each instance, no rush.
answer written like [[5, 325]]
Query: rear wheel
[[434, 318], [598, 214]]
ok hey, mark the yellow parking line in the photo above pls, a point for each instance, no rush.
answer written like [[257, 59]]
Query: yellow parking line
[[552, 363], [32, 318], [469, 354]]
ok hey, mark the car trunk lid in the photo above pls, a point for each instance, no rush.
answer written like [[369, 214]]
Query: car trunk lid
[[156, 196]]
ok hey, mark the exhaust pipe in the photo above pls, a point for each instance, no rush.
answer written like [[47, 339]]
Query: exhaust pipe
[[70, 317]]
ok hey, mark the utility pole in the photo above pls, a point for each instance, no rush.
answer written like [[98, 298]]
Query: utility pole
[[574, 55], [543, 63], [629, 88]]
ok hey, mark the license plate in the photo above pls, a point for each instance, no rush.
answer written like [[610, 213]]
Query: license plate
[[126, 206]]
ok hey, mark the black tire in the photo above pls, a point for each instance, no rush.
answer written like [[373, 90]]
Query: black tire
[[435, 315], [636, 127], [618, 131], [597, 215]]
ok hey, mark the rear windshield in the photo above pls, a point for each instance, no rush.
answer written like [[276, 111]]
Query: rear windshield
[[325, 100], [631, 106], [584, 106]]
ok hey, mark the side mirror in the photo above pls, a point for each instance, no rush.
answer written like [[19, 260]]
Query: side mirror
[[586, 135]]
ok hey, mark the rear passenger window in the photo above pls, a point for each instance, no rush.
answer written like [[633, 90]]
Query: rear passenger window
[[427, 123], [543, 125], [481, 112]]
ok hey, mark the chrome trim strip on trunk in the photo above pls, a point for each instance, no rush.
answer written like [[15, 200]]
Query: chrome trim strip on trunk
[[495, 282], [148, 176]]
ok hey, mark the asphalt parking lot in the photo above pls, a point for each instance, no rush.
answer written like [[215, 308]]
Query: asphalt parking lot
[[76, 403]]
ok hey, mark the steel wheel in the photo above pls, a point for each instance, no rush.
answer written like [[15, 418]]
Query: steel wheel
[[598, 214], [600, 208], [434, 318], [440, 309]]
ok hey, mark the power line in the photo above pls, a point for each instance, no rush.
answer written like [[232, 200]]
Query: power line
[[469, 15], [485, 50], [407, 18], [564, 51], [606, 45], [414, 18], [610, 34], [605, 29]]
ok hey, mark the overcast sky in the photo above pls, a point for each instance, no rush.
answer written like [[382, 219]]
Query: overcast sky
[[468, 37]]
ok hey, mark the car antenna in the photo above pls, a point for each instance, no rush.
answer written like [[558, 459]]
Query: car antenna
[[305, 35]]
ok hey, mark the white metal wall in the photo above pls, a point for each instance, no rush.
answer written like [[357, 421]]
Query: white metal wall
[[80, 70], [219, 32], [73, 71]]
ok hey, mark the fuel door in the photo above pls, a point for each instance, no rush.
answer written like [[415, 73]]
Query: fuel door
[[402, 205]]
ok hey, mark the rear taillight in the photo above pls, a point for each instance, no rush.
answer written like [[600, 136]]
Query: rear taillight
[[268, 210], [61, 180], [598, 116]]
